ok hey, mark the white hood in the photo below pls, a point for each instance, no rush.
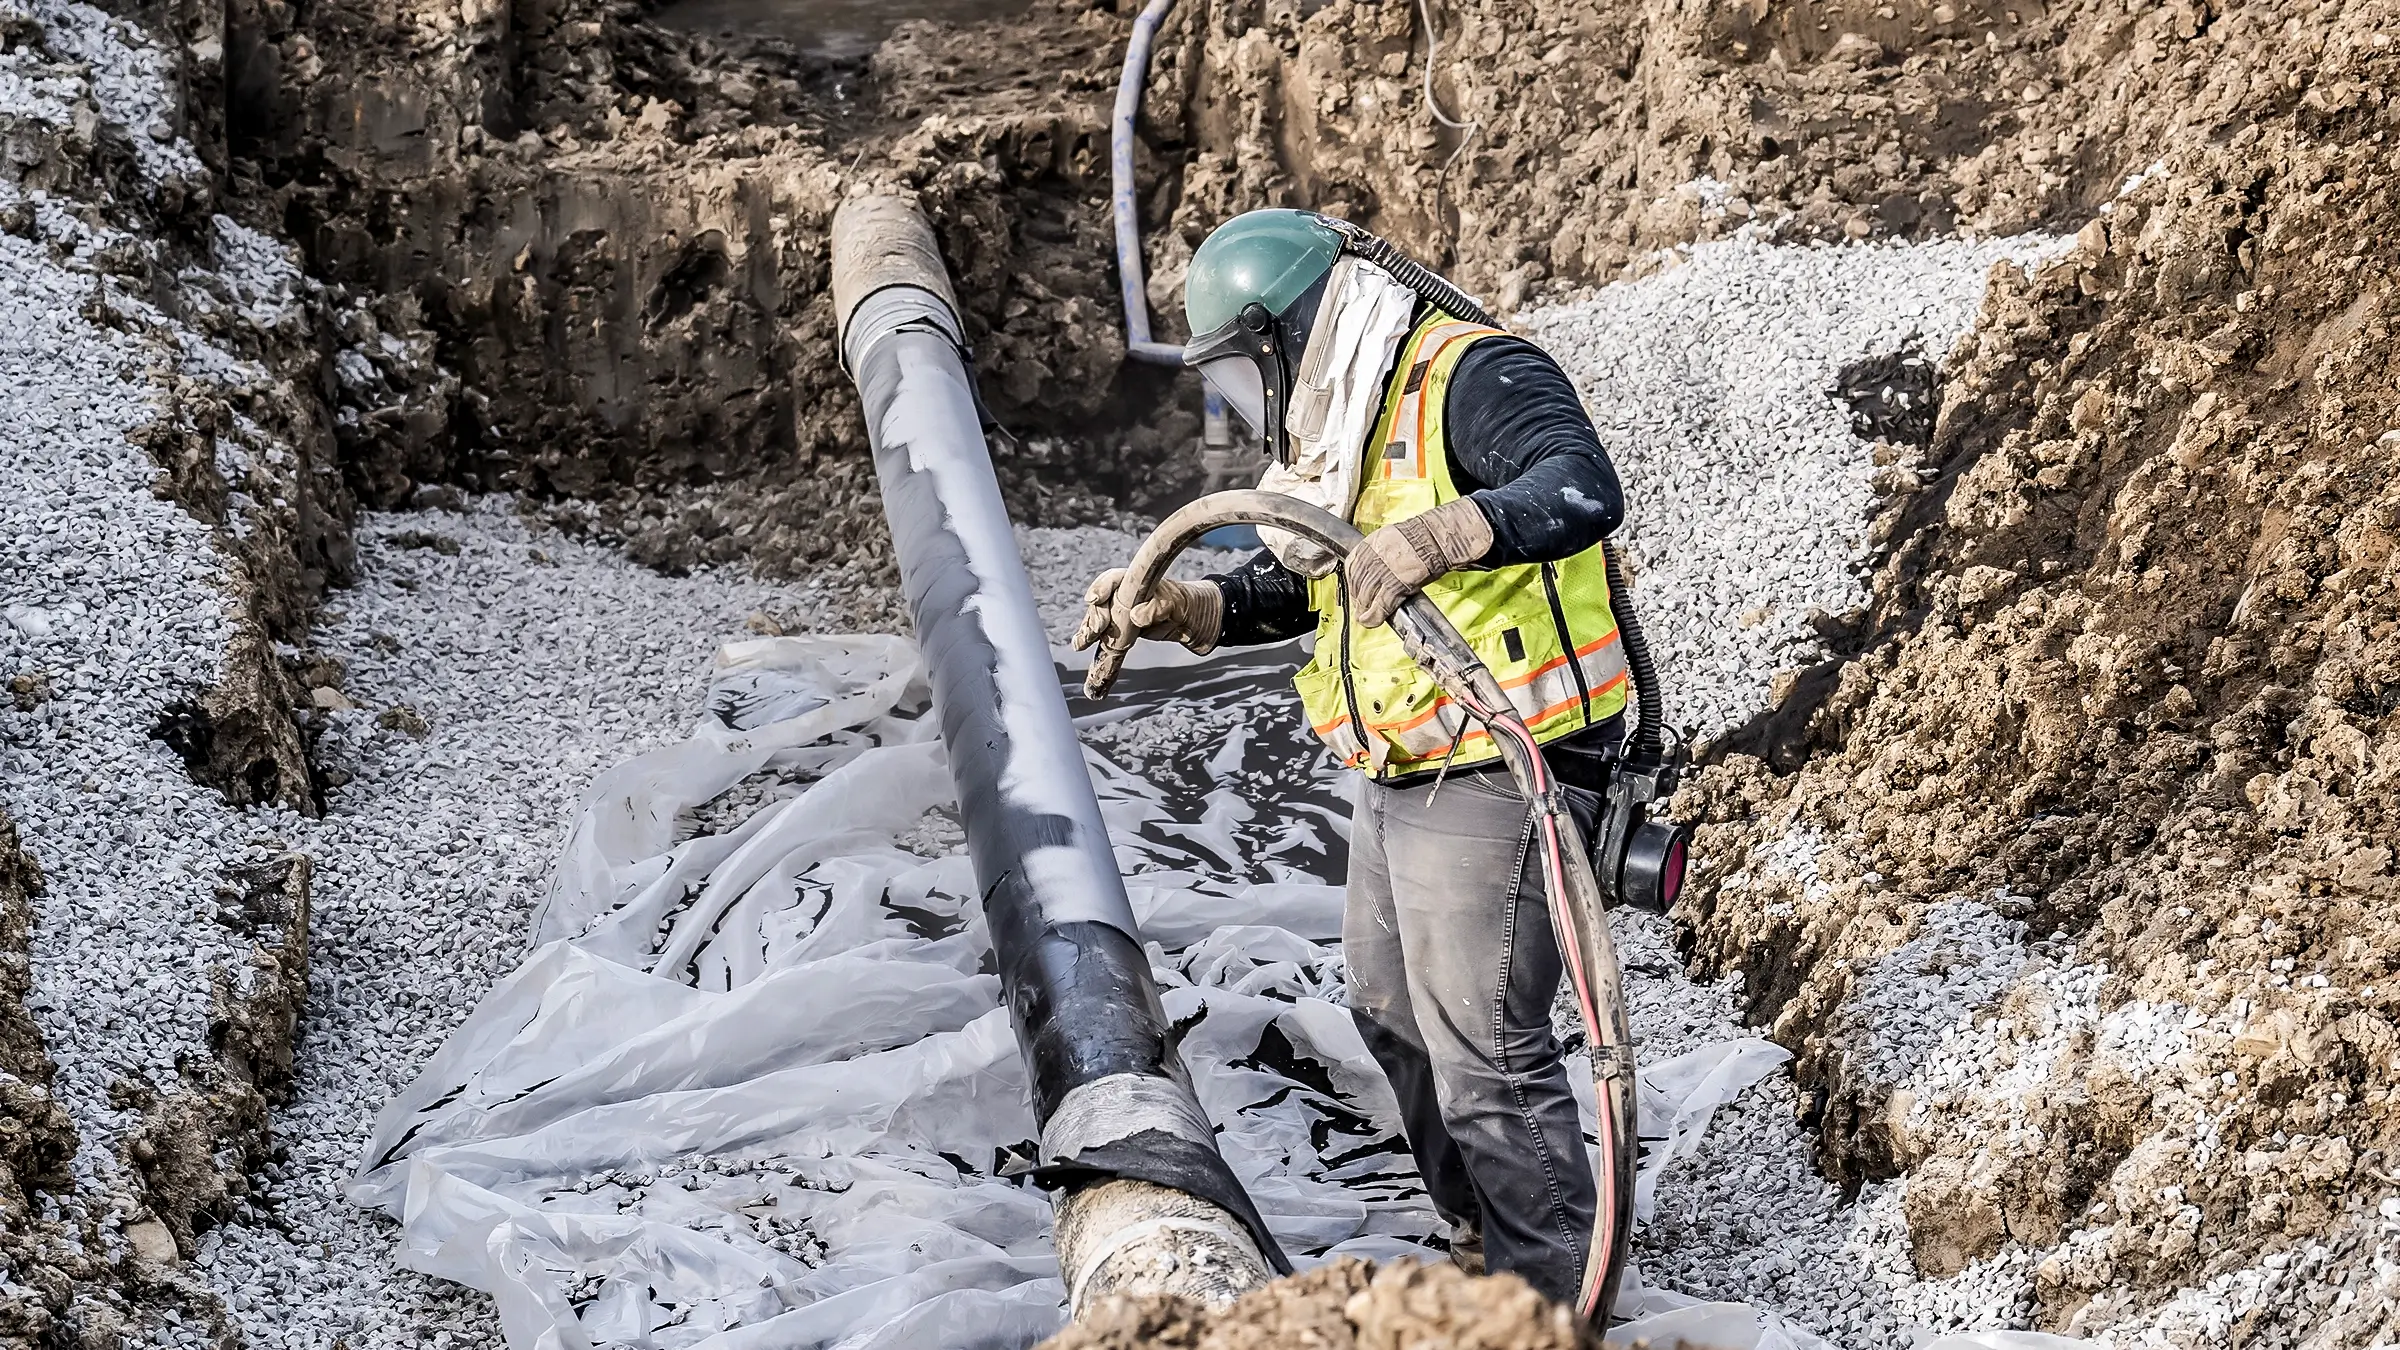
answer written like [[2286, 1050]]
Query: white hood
[[1337, 398]]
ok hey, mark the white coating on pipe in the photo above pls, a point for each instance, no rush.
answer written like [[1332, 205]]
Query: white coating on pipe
[[1150, 1232], [1120, 1106], [1044, 773], [1135, 1237]]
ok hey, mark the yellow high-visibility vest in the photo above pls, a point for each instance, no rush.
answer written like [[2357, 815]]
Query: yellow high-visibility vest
[[1545, 629]]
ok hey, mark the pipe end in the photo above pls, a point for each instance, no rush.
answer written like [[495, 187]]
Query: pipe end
[[1137, 1237], [880, 242]]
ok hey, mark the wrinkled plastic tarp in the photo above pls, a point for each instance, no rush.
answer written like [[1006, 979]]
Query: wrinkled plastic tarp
[[753, 1086]]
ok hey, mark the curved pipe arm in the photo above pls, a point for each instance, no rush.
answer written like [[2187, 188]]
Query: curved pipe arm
[[1124, 204], [1431, 639]]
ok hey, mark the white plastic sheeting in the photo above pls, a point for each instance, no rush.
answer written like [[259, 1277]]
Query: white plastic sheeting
[[753, 1085]]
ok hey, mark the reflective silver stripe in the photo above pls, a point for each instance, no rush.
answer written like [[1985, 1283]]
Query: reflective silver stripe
[[1343, 741], [1428, 738]]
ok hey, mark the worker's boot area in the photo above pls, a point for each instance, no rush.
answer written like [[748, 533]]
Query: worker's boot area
[[424, 450]]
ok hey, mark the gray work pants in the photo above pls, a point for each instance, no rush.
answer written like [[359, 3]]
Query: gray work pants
[[1452, 971]]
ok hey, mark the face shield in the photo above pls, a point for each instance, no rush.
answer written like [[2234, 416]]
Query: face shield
[[1253, 360], [1244, 362], [1236, 380]]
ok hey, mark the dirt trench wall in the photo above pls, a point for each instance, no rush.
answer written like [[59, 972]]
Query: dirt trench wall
[[586, 255], [251, 456], [36, 1139], [1605, 130], [2122, 750], [579, 255]]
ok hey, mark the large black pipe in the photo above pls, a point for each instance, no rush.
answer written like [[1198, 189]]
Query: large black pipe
[[1145, 1200]]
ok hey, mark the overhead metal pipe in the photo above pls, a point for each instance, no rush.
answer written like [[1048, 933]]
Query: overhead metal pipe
[[1122, 193], [1145, 1201]]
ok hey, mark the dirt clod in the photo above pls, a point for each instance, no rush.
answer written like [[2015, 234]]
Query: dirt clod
[[1343, 1305]]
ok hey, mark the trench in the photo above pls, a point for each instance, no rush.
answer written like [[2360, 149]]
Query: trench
[[651, 1196], [406, 402], [494, 656]]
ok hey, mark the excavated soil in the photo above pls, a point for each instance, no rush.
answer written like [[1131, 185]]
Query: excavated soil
[[578, 251], [582, 255], [2130, 681]]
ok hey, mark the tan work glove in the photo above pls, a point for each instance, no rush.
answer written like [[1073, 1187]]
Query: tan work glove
[[1395, 562], [1189, 612]]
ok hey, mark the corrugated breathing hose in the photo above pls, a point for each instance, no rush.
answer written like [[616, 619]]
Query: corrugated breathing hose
[[1576, 902], [1649, 732], [1431, 285]]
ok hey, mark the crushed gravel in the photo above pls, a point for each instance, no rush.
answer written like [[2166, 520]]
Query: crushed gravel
[[115, 599], [1748, 494], [497, 667], [116, 606], [496, 673]]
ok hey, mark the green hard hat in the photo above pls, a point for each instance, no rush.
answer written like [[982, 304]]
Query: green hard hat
[[1266, 257]]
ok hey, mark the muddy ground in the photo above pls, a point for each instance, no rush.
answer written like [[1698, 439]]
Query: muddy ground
[[2131, 676]]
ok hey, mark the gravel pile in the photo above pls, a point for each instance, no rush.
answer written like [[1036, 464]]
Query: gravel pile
[[497, 668], [117, 607], [1748, 495], [114, 600]]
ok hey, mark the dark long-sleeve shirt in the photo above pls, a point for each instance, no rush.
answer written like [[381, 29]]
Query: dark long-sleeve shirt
[[1520, 446]]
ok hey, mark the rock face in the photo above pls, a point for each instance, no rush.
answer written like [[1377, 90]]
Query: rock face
[[2128, 689], [585, 255]]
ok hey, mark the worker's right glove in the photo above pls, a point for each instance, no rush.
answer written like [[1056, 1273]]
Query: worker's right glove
[[1189, 612], [1396, 561]]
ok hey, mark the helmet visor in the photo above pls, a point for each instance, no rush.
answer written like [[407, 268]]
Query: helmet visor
[[1235, 379]]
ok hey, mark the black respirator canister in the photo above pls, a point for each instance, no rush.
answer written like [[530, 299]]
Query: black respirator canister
[[1641, 861]]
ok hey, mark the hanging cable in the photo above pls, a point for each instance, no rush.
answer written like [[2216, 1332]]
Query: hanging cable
[[1433, 48]]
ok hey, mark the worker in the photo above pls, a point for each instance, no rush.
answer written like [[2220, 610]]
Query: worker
[[1469, 463]]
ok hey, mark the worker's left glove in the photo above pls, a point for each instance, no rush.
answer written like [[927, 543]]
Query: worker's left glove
[[1396, 561], [1189, 612]]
